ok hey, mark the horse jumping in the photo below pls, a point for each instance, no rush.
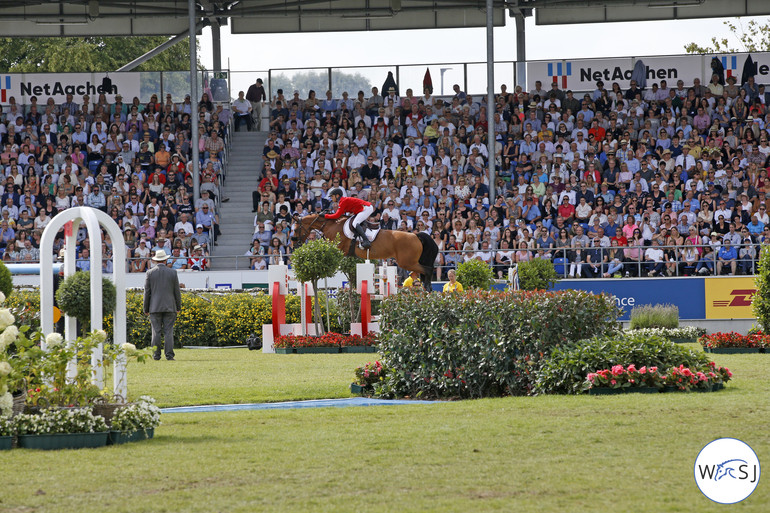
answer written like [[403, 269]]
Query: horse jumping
[[411, 252]]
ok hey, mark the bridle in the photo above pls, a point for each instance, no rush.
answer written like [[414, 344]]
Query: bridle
[[301, 228]]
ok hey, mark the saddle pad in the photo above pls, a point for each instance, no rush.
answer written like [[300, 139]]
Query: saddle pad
[[347, 229]]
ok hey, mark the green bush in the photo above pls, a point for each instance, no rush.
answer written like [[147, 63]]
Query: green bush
[[566, 369], [6, 282], [654, 316], [475, 274], [313, 261], [74, 296], [761, 301], [25, 306], [481, 344], [537, 274]]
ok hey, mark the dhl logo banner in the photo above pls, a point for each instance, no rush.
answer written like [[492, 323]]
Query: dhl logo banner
[[729, 298]]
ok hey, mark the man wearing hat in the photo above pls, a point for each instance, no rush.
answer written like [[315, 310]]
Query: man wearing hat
[[162, 302]]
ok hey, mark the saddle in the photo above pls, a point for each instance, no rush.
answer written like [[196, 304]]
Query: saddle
[[372, 230]]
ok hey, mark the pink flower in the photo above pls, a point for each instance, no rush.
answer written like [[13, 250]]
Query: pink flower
[[631, 381], [614, 382], [653, 369], [631, 368], [643, 370], [617, 370]]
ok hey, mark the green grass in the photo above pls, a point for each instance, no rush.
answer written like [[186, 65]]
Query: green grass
[[632, 453]]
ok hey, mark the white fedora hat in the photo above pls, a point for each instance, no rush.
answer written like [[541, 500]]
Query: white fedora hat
[[160, 256]]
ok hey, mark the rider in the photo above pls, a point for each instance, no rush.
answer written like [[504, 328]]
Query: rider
[[349, 205]]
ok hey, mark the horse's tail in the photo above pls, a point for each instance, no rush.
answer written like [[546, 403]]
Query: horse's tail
[[429, 252]]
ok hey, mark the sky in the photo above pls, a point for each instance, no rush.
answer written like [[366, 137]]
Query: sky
[[246, 54]]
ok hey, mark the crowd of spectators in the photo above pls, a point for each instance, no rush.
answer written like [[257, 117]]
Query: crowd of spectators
[[636, 182], [131, 161]]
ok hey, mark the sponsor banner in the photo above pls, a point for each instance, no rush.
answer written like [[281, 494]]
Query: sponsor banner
[[685, 293], [730, 298], [582, 74], [22, 86]]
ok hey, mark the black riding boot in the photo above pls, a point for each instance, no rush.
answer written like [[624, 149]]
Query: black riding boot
[[361, 231]]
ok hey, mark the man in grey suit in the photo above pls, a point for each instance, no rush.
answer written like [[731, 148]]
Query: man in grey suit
[[162, 301]]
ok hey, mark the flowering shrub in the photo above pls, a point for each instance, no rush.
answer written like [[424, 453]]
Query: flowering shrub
[[7, 426], [565, 370], [620, 377], [369, 374], [481, 344], [59, 420], [733, 339], [326, 340], [136, 417], [672, 333], [686, 379]]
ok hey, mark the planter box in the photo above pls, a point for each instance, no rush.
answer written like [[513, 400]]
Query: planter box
[[626, 390], [690, 340], [355, 388], [63, 441], [120, 437], [717, 386], [284, 350], [6, 442], [317, 350], [732, 350], [359, 349]]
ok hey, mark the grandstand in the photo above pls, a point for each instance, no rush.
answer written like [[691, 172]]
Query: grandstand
[[661, 181]]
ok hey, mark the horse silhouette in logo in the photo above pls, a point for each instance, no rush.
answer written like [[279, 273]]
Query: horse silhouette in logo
[[724, 470]]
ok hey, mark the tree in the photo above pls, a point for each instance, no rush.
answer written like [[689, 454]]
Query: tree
[[753, 37], [761, 302], [86, 54], [537, 274], [475, 274], [312, 261], [74, 297], [319, 82]]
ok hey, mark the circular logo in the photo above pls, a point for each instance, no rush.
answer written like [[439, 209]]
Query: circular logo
[[727, 470]]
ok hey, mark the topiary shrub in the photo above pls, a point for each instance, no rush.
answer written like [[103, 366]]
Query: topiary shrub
[[761, 302], [313, 261], [567, 368], [6, 281], [537, 274], [654, 316], [475, 274], [481, 344], [74, 297]]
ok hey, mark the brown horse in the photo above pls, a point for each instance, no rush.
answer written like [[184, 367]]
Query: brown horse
[[411, 252]]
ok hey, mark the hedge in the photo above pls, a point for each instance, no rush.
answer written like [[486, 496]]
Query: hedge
[[481, 344]]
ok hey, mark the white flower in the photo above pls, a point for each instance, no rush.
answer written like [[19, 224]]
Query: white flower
[[2, 298], [9, 336], [100, 336], [6, 318], [128, 348], [6, 404], [5, 368], [53, 340]]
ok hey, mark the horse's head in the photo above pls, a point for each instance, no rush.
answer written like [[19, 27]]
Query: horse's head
[[302, 227]]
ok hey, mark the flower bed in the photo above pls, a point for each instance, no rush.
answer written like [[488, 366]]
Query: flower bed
[[756, 342], [366, 376], [329, 340], [629, 379]]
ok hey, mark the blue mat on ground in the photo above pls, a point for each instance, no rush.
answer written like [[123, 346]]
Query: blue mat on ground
[[288, 405]]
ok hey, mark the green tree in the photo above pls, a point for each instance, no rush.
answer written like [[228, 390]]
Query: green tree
[[475, 274], [761, 302], [85, 54], [74, 297], [753, 37], [537, 274], [6, 282], [319, 82], [348, 268], [313, 261]]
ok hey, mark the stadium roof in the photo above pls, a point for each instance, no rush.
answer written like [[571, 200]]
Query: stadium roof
[[38, 18]]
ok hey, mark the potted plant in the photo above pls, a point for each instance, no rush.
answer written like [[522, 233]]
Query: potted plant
[[734, 343], [135, 422], [366, 376], [7, 431], [61, 428]]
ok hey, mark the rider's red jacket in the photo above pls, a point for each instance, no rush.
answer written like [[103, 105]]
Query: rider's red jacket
[[348, 206]]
